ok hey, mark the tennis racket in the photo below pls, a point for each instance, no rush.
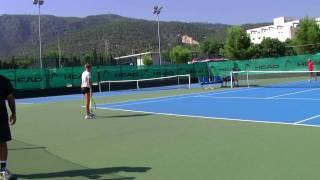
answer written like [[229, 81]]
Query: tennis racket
[[93, 105]]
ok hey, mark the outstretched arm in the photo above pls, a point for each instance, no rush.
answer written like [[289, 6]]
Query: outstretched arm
[[12, 106]]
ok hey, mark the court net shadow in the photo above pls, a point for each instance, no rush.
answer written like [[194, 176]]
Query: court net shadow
[[123, 116], [32, 162], [89, 173]]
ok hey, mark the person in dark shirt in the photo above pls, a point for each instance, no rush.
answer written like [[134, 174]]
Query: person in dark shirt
[[235, 79], [6, 94]]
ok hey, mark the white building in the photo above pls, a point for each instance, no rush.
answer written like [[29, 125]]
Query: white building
[[137, 59], [318, 20], [283, 28]]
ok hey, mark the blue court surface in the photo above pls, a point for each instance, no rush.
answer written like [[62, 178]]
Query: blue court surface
[[291, 106], [62, 98]]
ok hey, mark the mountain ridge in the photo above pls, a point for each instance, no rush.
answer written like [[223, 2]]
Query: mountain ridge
[[110, 33]]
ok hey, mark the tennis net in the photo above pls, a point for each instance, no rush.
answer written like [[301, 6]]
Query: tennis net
[[161, 83], [274, 79]]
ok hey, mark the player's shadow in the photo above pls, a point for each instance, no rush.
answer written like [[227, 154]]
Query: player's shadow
[[102, 173], [123, 116]]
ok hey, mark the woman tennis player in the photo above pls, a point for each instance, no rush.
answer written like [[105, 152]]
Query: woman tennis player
[[86, 89]]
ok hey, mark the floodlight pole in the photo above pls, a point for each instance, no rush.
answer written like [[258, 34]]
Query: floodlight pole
[[39, 3], [59, 49], [157, 11], [40, 40], [159, 39]]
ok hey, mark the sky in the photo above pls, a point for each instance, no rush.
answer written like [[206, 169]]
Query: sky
[[208, 11]]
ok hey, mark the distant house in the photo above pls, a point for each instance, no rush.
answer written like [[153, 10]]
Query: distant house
[[185, 39], [206, 60], [137, 59]]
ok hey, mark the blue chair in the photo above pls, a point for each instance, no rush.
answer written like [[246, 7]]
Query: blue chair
[[204, 80], [217, 79], [207, 81]]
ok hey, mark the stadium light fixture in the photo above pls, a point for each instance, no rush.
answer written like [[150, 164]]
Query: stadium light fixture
[[157, 11], [40, 2]]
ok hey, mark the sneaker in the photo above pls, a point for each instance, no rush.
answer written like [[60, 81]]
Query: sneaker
[[92, 115], [5, 175], [88, 117]]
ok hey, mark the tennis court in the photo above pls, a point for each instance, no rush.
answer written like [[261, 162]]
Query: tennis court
[[227, 134], [294, 106]]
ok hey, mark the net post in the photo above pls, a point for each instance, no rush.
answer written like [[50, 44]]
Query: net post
[[138, 88], [189, 77], [248, 83], [100, 86], [231, 79], [109, 84], [178, 81]]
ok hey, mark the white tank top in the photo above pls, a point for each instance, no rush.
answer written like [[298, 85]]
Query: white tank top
[[86, 76]]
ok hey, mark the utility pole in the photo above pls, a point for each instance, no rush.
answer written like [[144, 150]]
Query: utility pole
[[59, 49], [106, 49]]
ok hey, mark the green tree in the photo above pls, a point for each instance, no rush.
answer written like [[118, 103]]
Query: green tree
[[52, 54], [237, 44], [290, 51], [254, 51], [308, 33], [24, 62], [147, 60], [86, 58], [180, 55], [94, 56], [166, 55], [13, 63], [272, 48], [211, 48]]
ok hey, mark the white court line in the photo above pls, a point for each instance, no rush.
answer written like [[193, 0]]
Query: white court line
[[305, 120], [230, 97], [258, 98], [297, 92], [173, 97], [300, 99], [146, 102], [25, 103], [215, 118]]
